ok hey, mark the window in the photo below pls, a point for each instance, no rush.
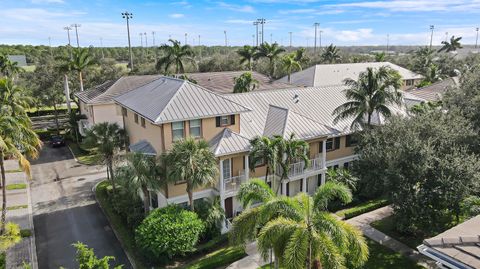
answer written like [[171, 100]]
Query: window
[[329, 144], [333, 143], [227, 171], [136, 118], [350, 141], [225, 120], [142, 121], [153, 199], [195, 128], [177, 130], [409, 82], [346, 166], [124, 112], [260, 162]]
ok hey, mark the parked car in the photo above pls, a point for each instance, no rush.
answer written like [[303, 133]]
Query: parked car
[[57, 141]]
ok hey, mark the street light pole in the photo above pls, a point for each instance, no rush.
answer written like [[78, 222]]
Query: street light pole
[[256, 26], [315, 43], [186, 38], [253, 40], [431, 35], [476, 40], [126, 15], [69, 44], [141, 40], [153, 38], [290, 34], [320, 38], [388, 42], [76, 32], [446, 36], [262, 22], [226, 40]]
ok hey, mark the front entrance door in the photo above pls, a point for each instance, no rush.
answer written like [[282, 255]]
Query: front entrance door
[[229, 208]]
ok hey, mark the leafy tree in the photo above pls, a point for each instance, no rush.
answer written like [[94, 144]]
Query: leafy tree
[[301, 56], [331, 54], [80, 61], [380, 57], [453, 45], [432, 75], [264, 150], [344, 177], [10, 237], [425, 107], [247, 54], [422, 60], [168, 231], [13, 97], [141, 173], [9, 68], [471, 206], [192, 161], [245, 83], [212, 214], [106, 140], [374, 90], [290, 151], [298, 229], [289, 64], [87, 260], [175, 54], [271, 52]]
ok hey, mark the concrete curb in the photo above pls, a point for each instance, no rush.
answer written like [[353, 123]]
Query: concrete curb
[[33, 246], [129, 257], [71, 151]]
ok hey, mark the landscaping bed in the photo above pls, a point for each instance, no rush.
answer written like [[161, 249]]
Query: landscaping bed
[[361, 208], [387, 226], [83, 156]]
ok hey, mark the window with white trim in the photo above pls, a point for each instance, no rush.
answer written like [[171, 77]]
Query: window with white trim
[[227, 169], [177, 130], [195, 128]]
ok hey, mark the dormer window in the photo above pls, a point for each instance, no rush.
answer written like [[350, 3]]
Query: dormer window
[[223, 121]]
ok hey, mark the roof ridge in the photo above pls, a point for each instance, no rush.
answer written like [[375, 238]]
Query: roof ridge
[[309, 118], [173, 97], [286, 89]]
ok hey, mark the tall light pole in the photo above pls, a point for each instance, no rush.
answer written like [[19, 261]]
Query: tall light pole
[[67, 28], [146, 39], [50, 45], [186, 38], [127, 16], [226, 40], [76, 32], [253, 40], [476, 40], [446, 36], [262, 21], [101, 47], [141, 39], [290, 34], [271, 38], [256, 26], [315, 42], [432, 27], [320, 32], [153, 38], [199, 40]]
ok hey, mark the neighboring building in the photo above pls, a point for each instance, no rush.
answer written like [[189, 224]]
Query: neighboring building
[[223, 82], [434, 92], [334, 74], [457, 248], [21, 60], [97, 103], [168, 109]]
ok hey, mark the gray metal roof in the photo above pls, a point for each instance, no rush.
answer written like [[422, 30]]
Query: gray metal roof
[[434, 92], [228, 142], [282, 121], [169, 99], [106, 92], [144, 147], [334, 74]]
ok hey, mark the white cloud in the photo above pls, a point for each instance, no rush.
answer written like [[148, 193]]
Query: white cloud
[[48, 1], [239, 8], [176, 15], [419, 5], [239, 21]]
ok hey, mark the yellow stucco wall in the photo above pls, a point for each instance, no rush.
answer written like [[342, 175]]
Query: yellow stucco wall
[[107, 113], [152, 133], [340, 153]]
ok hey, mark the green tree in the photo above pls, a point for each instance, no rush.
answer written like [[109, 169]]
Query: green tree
[[344, 177], [86, 258], [299, 229], [80, 61], [192, 161], [271, 52], [264, 150], [105, 140], [290, 151], [212, 214], [13, 97], [10, 237], [141, 173], [422, 60], [245, 83], [432, 75], [175, 54], [380, 57], [453, 45], [9, 68], [301, 56], [247, 54], [290, 64], [331, 54], [374, 90]]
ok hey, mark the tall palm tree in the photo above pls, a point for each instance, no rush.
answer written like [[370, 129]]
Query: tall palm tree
[[175, 54], [374, 90], [9, 68], [291, 150], [13, 98], [299, 229], [192, 161], [330, 54], [301, 56], [271, 52], [422, 60], [264, 150], [106, 140], [80, 61], [451, 46], [290, 64], [244, 83], [247, 54], [141, 173]]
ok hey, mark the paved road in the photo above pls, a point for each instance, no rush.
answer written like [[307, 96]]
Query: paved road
[[65, 211]]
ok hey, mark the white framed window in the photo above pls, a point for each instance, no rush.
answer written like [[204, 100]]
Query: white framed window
[[177, 130], [195, 128], [227, 169]]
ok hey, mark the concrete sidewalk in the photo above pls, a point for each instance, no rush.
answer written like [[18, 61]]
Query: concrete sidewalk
[[252, 261]]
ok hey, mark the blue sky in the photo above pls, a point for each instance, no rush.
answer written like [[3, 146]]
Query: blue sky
[[342, 22]]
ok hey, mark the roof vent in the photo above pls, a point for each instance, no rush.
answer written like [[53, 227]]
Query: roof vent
[[296, 98]]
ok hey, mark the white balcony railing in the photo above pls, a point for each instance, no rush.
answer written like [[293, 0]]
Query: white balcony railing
[[299, 168], [232, 184]]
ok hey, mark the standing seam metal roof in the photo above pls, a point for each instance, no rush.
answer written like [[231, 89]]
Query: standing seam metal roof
[[228, 142]]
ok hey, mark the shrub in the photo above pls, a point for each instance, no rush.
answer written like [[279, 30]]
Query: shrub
[[212, 215], [128, 207], [168, 231], [362, 208]]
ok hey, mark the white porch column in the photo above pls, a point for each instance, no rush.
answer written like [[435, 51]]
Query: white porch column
[[284, 188], [247, 168], [222, 196], [304, 184], [324, 160]]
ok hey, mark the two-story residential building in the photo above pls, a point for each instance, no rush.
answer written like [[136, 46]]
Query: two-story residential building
[[167, 109]]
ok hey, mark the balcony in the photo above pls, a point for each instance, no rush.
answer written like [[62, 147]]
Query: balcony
[[298, 169], [232, 185]]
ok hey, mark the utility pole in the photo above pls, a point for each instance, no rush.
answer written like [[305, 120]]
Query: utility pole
[[262, 21], [320, 38], [146, 40], [141, 40], [256, 26], [76, 32], [153, 38], [101, 47], [432, 27], [253, 40], [199, 40], [186, 38], [446, 36], [388, 42], [226, 40], [476, 40], [50, 45], [315, 42], [290, 33], [126, 15], [67, 28]]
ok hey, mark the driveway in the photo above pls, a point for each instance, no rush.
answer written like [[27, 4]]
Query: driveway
[[65, 211]]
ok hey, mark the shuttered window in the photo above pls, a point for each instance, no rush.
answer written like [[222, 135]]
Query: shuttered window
[[222, 121]]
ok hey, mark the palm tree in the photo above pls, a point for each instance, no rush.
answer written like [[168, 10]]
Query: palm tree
[[379, 57], [301, 56], [290, 151], [451, 46], [330, 54], [141, 173], [244, 83], [422, 60], [289, 64], [271, 52], [175, 54], [374, 90], [299, 229], [9, 68], [343, 176], [13, 97], [432, 75], [192, 161], [106, 140], [264, 150], [247, 54], [80, 61]]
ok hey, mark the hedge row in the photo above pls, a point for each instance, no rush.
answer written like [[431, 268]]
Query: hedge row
[[48, 111], [362, 208]]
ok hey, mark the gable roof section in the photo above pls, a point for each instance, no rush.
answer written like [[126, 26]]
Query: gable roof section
[[106, 92], [334, 74], [169, 99], [228, 142], [143, 146], [223, 82], [282, 121], [435, 91]]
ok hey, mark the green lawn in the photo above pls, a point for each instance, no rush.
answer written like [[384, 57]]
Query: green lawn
[[18, 186], [218, 259], [50, 108], [83, 156], [361, 208], [14, 171], [387, 226], [15, 207]]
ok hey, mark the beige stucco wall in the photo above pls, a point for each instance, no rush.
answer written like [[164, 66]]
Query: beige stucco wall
[[340, 153], [107, 113], [152, 133], [87, 111]]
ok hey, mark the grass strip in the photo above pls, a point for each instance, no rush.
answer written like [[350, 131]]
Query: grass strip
[[14, 171], [15, 207], [218, 259], [18, 186]]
